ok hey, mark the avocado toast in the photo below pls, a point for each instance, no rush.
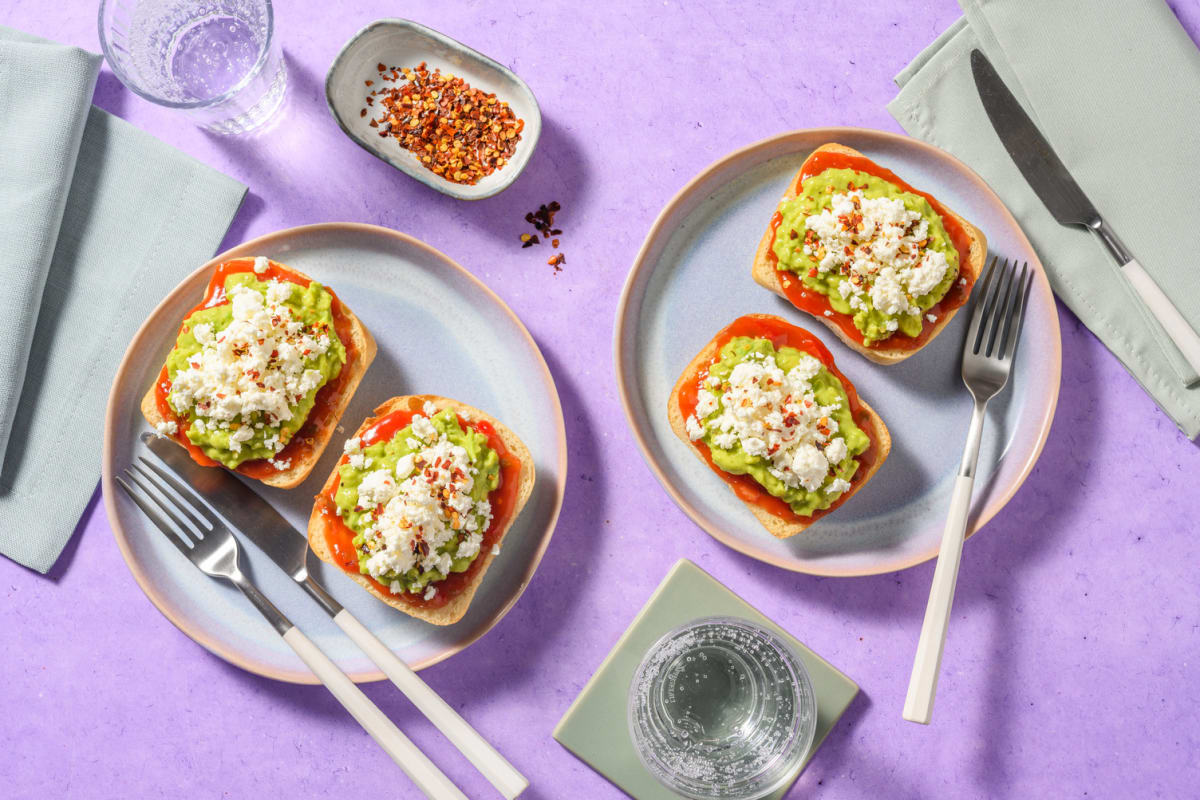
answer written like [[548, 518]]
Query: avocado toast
[[882, 265], [765, 407], [420, 503], [261, 371]]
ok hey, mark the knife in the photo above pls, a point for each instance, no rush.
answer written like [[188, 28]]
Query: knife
[[259, 522], [1053, 184]]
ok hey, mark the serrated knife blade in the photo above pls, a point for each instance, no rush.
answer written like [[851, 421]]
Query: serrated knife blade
[[1067, 203]]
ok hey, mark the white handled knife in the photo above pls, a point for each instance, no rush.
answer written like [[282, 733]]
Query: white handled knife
[[1053, 184]]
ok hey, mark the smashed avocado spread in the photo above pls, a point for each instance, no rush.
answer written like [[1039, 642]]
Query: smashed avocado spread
[[245, 374], [879, 254], [418, 502], [782, 418]]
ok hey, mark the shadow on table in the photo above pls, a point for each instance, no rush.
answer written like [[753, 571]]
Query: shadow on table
[[558, 171], [992, 563], [837, 759]]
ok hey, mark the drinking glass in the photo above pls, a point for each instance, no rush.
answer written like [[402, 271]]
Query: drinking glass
[[722, 708], [217, 60]]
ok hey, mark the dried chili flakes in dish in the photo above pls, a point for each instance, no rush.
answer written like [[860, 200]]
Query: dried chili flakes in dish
[[455, 130]]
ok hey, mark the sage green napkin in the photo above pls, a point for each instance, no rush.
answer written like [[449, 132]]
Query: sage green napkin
[[98, 221], [1115, 87]]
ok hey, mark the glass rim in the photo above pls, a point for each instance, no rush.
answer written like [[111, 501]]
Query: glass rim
[[802, 737], [128, 82]]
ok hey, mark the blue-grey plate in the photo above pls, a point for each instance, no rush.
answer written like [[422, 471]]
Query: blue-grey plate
[[438, 330], [403, 43], [692, 277]]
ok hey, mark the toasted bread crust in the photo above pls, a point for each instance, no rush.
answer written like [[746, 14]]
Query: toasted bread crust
[[295, 474], [453, 611], [779, 528], [765, 274]]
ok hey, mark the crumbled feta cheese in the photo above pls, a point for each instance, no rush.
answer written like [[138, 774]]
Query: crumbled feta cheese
[[880, 247], [420, 514], [429, 408], [260, 264], [423, 428], [352, 445], [166, 428], [252, 372], [931, 317], [775, 416], [495, 549], [430, 592]]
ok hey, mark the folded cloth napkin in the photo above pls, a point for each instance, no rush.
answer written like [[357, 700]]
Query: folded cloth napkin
[[1115, 87], [98, 221]]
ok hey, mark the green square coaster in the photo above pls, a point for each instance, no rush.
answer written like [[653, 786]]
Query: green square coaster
[[594, 727]]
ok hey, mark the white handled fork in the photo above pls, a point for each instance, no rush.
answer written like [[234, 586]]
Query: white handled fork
[[987, 361]]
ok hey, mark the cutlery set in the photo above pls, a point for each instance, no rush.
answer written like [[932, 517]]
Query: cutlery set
[[164, 496]]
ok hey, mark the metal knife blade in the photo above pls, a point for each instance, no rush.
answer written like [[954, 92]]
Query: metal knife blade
[[1029, 150], [248, 513]]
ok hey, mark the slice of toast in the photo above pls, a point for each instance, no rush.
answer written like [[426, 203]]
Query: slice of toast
[[777, 526], [294, 475], [454, 610], [766, 275]]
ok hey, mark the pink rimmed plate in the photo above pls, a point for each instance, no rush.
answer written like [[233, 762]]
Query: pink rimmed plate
[[692, 277], [439, 330]]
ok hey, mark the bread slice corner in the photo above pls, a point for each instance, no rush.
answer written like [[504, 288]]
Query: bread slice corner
[[765, 274], [453, 611]]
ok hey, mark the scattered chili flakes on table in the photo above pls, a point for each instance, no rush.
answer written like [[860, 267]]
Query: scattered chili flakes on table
[[454, 129], [543, 222]]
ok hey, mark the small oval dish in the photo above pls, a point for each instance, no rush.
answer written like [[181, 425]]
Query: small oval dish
[[404, 43]]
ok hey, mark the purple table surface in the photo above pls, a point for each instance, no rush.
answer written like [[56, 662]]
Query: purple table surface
[[1073, 653]]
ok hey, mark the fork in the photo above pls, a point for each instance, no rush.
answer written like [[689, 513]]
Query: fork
[[213, 548], [987, 361]]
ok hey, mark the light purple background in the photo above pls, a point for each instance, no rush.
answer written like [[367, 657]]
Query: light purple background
[[1073, 659]]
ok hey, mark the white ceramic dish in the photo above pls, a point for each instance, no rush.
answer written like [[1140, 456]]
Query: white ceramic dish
[[439, 330], [403, 43], [692, 277]]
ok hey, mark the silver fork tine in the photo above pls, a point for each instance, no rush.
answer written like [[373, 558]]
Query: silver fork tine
[[980, 313], [190, 504], [1014, 314], [142, 482], [151, 512], [1000, 311]]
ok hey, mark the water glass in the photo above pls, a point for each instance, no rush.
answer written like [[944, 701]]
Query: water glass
[[722, 708], [217, 60]]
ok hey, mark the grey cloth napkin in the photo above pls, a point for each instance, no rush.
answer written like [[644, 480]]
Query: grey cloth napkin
[[98, 222], [1115, 87]]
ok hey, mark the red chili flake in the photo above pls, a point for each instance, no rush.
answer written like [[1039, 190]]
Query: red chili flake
[[542, 221], [454, 129]]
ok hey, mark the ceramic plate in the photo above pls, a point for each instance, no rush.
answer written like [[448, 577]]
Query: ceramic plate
[[692, 277], [439, 330]]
